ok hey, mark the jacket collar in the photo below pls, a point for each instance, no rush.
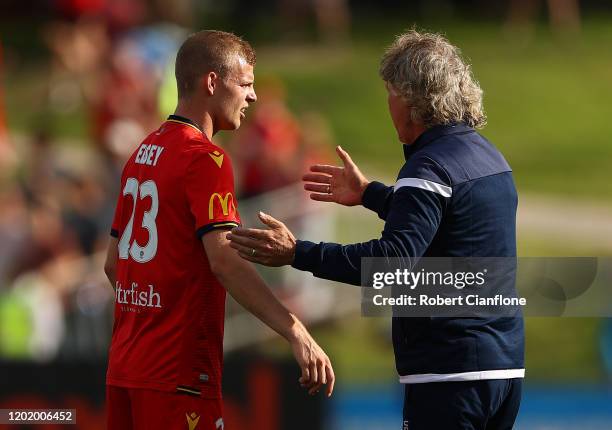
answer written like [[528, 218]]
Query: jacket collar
[[434, 133]]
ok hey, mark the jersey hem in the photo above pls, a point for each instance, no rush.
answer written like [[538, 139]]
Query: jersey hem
[[462, 376], [159, 386]]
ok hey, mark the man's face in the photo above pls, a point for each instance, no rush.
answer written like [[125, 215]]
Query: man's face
[[236, 92], [400, 114]]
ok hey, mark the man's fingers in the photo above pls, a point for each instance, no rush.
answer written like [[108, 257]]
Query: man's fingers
[[315, 389], [331, 379], [317, 178], [322, 373], [245, 241], [319, 188], [305, 379], [243, 249], [324, 168], [249, 257], [246, 252], [269, 220], [344, 156], [315, 380], [314, 376], [253, 233], [322, 197]]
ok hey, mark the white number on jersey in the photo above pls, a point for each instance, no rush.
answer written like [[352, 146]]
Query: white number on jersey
[[140, 254]]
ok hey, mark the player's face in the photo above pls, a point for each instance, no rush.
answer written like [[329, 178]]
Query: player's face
[[236, 93]]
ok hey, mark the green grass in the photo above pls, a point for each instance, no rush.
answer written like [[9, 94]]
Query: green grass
[[563, 349]]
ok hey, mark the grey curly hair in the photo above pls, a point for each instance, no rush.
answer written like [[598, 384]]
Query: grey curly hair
[[427, 71]]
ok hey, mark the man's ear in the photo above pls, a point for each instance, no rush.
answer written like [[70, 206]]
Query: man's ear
[[211, 80]]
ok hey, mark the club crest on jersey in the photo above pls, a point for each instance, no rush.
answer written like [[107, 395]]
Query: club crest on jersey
[[224, 202], [192, 420], [217, 157]]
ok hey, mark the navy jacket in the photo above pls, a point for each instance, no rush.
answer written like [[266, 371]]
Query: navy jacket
[[454, 197]]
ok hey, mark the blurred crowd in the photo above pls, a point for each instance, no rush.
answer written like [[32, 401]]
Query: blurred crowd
[[112, 59]]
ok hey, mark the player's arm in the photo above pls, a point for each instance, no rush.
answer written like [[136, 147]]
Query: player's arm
[[242, 281], [110, 265]]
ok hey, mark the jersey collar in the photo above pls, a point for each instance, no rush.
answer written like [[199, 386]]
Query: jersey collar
[[185, 121], [434, 133]]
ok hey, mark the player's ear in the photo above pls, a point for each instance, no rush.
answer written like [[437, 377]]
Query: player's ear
[[211, 81]]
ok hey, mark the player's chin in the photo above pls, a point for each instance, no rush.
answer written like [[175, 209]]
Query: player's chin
[[237, 122], [231, 125]]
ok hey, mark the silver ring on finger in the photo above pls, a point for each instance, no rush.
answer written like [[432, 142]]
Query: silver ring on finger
[[328, 189], [253, 252]]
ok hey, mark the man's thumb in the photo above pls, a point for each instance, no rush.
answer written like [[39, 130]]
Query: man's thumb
[[344, 156], [269, 220]]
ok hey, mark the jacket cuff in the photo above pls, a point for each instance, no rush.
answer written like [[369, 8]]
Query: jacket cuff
[[374, 196], [305, 255]]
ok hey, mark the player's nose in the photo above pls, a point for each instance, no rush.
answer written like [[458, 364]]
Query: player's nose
[[251, 97]]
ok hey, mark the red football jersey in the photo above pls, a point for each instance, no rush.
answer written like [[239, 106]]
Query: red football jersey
[[169, 307]]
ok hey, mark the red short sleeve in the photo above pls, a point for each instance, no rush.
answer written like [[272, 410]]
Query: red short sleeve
[[209, 184]]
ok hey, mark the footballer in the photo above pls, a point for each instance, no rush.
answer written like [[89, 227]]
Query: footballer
[[170, 263]]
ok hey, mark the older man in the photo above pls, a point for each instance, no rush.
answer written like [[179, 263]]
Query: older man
[[454, 197]]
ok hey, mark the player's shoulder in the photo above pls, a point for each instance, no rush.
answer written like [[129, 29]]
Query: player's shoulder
[[201, 144], [202, 150]]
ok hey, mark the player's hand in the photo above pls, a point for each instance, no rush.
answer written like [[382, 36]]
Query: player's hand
[[274, 246], [315, 364], [343, 185]]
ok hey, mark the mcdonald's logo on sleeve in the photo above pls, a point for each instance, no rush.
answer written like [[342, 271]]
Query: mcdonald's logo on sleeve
[[224, 202]]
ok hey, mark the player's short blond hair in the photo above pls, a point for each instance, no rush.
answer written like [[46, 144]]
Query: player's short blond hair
[[428, 71], [206, 51]]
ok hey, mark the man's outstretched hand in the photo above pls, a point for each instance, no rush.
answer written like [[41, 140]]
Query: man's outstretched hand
[[343, 185], [274, 246]]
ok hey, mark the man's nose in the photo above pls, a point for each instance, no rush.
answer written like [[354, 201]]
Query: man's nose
[[252, 97]]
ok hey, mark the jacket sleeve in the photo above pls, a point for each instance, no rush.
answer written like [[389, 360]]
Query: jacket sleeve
[[377, 197], [416, 208]]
